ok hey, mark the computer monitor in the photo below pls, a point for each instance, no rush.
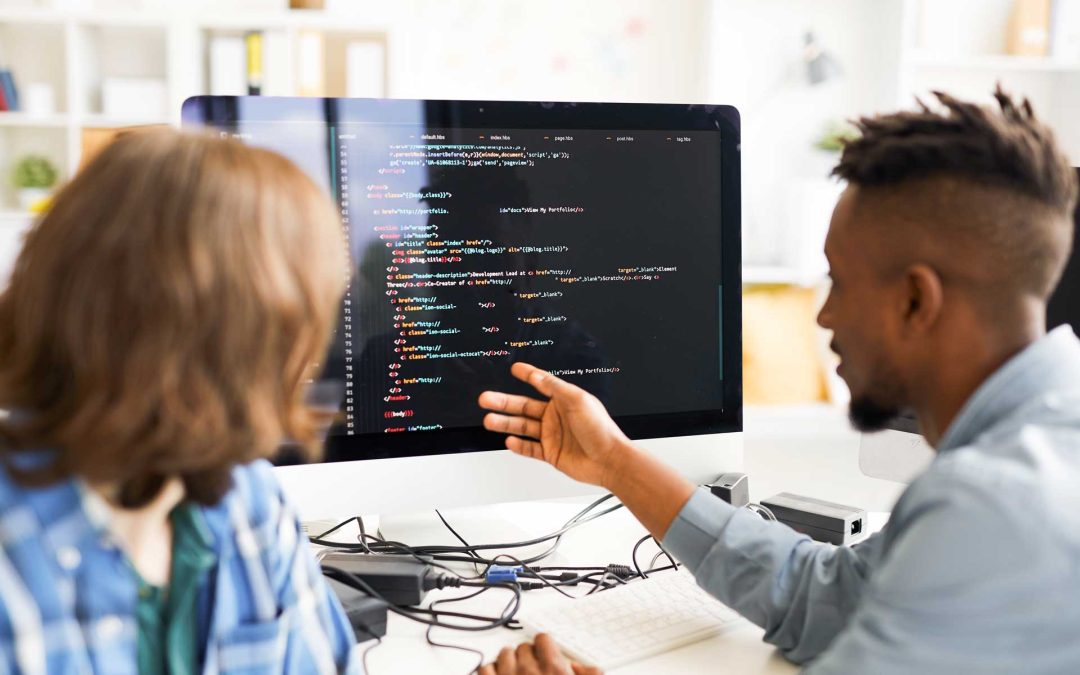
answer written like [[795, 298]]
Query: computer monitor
[[900, 453], [600, 241]]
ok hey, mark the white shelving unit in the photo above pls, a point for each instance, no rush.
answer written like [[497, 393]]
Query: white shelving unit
[[970, 58], [904, 49], [153, 44]]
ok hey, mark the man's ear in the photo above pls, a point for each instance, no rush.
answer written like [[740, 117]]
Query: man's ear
[[924, 298]]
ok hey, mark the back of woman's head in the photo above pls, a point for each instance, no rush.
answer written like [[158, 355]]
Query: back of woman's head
[[164, 314]]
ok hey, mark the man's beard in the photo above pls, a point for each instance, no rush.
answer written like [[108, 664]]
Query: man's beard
[[867, 414]]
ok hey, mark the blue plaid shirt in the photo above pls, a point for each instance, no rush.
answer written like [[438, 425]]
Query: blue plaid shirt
[[68, 596]]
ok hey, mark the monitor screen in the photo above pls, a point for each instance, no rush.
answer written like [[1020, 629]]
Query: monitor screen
[[597, 241]]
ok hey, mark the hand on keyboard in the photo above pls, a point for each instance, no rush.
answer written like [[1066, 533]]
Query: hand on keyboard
[[541, 658]]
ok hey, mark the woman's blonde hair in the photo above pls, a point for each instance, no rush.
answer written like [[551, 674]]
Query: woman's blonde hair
[[164, 315]]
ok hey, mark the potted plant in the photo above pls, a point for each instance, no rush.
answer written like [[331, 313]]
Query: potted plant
[[34, 177], [835, 135]]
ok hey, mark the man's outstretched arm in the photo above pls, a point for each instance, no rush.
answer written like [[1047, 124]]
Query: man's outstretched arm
[[801, 592]]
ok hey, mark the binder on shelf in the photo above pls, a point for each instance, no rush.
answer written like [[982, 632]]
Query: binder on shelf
[[277, 56], [311, 66], [11, 93], [1029, 28], [227, 66], [1065, 31], [254, 43], [365, 67]]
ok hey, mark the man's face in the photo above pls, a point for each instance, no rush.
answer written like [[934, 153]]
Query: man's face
[[860, 312]]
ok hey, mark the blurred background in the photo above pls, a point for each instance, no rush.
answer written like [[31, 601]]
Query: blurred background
[[74, 71]]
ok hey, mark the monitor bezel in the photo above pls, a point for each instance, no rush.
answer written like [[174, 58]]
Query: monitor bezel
[[218, 111]]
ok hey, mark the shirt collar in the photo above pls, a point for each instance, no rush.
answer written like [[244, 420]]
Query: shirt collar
[[1051, 362]]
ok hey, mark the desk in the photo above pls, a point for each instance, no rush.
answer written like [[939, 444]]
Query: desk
[[608, 539], [810, 451]]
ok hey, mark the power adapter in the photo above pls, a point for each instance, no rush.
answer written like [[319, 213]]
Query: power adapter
[[821, 520], [366, 614], [398, 580]]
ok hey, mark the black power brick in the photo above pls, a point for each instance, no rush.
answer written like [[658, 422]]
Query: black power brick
[[367, 615], [398, 580], [821, 520]]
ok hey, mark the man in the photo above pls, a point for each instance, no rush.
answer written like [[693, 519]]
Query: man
[[951, 234]]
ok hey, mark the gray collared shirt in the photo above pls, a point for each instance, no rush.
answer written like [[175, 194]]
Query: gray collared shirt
[[978, 570]]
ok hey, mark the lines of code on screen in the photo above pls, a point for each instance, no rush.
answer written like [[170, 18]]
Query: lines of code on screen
[[593, 254]]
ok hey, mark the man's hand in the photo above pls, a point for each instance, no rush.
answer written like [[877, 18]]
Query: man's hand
[[541, 658], [573, 431]]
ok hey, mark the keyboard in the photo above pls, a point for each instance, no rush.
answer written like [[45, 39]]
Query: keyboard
[[632, 622]]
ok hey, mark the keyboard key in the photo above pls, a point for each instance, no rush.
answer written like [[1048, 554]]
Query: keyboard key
[[633, 621]]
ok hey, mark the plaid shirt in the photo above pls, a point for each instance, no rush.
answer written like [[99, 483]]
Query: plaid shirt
[[68, 596]]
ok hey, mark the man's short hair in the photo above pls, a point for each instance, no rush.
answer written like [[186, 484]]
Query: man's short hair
[[1010, 191]]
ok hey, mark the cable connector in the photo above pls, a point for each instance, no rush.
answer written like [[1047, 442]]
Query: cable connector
[[623, 572], [503, 574], [436, 582]]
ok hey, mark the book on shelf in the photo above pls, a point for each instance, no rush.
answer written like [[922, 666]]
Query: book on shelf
[[253, 40], [1065, 31], [277, 54], [9, 91], [311, 75], [228, 65], [1029, 28]]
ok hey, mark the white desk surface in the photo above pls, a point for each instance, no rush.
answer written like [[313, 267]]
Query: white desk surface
[[608, 539], [809, 451]]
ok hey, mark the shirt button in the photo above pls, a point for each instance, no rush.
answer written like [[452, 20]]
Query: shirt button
[[109, 627], [68, 557]]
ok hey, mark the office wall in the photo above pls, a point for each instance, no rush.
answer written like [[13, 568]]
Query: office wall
[[601, 50], [756, 62]]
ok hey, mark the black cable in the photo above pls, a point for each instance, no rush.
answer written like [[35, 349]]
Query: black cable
[[576, 520], [599, 584], [335, 528], [663, 550], [364, 656], [579, 519], [548, 568], [435, 554], [356, 582], [399, 548], [433, 643], [529, 569], [633, 556], [388, 547], [462, 540]]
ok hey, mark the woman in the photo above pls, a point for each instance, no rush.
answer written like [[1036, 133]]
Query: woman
[[155, 338]]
